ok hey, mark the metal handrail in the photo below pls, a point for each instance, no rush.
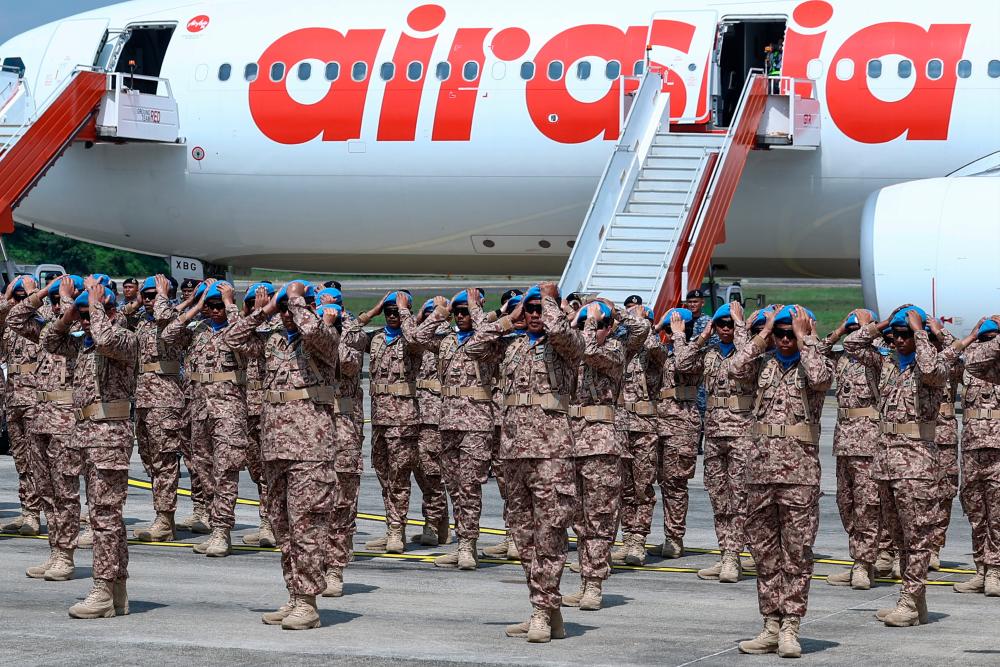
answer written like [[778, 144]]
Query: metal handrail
[[20, 88], [41, 108], [119, 80]]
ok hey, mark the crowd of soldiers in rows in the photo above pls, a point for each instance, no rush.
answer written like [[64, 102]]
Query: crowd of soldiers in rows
[[579, 408]]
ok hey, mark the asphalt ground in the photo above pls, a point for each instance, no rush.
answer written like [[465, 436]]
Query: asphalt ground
[[189, 609]]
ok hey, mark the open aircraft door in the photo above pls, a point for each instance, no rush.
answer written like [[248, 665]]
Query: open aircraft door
[[681, 43], [74, 42]]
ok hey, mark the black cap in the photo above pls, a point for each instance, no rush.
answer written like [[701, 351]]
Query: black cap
[[695, 294], [573, 296], [130, 281], [506, 296], [332, 283], [633, 300], [189, 283]]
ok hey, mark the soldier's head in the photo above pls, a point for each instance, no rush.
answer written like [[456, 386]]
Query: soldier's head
[[783, 333], [425, 310], [460, 309], [575, 301], [988, 330], [20, 293], [130, 288], [694, 302], [292, 289], [187, 288], [902, 330], [84, 307], [686, 316], [215, 307], [390, 308], [723, 325], [533, 311], [250, 298]]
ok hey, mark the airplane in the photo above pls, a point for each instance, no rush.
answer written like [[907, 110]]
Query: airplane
[[458, 137]]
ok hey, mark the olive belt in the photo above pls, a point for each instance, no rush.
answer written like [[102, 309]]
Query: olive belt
[[320, 395], [593, 413], [57, 397], [406, 389], [682, 393], [640, 408], [433, 386], [947, 410], [162, 367], [478, 393], [982, 413], [920, 430], [21, 369], [553, 402], [110, 411], [807, 432], [854, 413], [212, 378], [255, 385], [736, 403]]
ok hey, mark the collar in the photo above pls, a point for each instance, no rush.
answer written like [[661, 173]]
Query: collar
[[789, 361], [534, 338], [904, 361], [463, 336], [217, 326], [291, 336], [88, 342], [392, 334], [726, 348]]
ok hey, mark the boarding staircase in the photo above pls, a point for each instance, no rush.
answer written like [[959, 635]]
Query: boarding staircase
[[661, 205], [89, 105]]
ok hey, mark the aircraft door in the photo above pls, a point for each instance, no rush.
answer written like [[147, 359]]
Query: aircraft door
[[74, 43], [682, 42]]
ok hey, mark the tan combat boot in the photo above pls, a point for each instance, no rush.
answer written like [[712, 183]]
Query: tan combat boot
[[119, 596], [748, 563], [277, 616], [592, 595], [840, 578], [202, 547], [395, 540], [161, 530], [378, 544], [334, 583], [198, 522], [672, 548], [518, 630], [447, 560], [573, 599], [935, 562], [975, 585], [62, 566], [512, 552], [897, 572], [618, 553], [636, 554], [85, 540], [991, 585], [467, 554], [266, 537], [498, 550], [904, 615], [788, 638], [38, 571], [711, 572], [303, 616], [444, 531], [883, 563], [220, 545], [556, 628], [730, 572], [428, 537], [99, 603], [13, 525], [539, 626], [861, 576], [31, 525], [767, 640]]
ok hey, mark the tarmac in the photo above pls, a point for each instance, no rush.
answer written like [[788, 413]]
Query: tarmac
[[402, 610]]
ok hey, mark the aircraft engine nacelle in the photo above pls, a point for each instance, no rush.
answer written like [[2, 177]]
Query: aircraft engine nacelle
[[934, 243]]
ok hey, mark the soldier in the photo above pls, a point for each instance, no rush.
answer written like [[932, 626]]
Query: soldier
[[219, 409], [50, 428], [264, 535], [538, 373], [906, 463], [680, 426], [104, 360], [636, 418], [299, 439], [20, 356], [728, 436], [946, 438], [980, 493], [783, 470], [597, 449], [465, 373], [854, 442], [393, 366]]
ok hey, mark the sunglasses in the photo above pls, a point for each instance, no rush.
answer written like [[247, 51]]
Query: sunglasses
[[148, 296], [787, 334], [391, 312], [533, 308], [85, 315], [902, 333], [461, 312], [725, 324], [215, 305]]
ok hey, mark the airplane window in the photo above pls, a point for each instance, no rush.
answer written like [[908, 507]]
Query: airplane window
[[414, 71], [613, 69], [442, 71], [528, 70], [305, 71], [638, 68], [964, 69], [277, 72], [225, 71], [359, 71], [993, 69], [555, 70], [470, 71], [935, 69], [387, 71], [583, 70], [845, 69], [874, 69], [332, 71], [250, 72], [905, 69]]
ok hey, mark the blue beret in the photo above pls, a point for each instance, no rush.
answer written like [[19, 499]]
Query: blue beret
[[647, 313], [428, 306], [310, 290], [77, 284], [462, 298], [899, 319], [724, 311], [988, 327], [605, 312], [252, 290], [148, 284], [513, 301], [535, 292], [19, 284], [84, 299], [200, 290], [784, 316], [213, 291], [391, 299], [852, 319], [102, 278], [338, 296], [685, 314], [321, 309], [762, 316]]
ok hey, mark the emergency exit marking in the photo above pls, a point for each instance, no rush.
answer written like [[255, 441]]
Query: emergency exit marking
[[198, 153]]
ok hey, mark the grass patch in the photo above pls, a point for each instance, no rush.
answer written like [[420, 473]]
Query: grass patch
[[829, 304]]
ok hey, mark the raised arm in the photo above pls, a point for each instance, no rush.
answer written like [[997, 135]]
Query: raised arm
[[321, 339], [111, 341], [23, 318], [601, 352], [426, 333], [565, 339], [860, 345]]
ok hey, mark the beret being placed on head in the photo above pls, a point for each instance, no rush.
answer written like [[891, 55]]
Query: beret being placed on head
[[321, 309], [605, 312], [852, 319], [252, 290], [83, 301], [333, 292], [310, 290], [647, 313], [213, 291], [77, 284], [899, 319], [989, 326], [785, 315], [723, 311], [685, 314], [462, 298]]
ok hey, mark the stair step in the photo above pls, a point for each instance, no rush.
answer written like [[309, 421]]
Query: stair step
[[627, 284], [688, 139], [657, 247], [640, 235], [658, 197], [654, 162], [663, 210], [677, 151]]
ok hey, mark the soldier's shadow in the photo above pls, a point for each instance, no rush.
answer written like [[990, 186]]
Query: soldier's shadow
[[143, 606], [577, 629], [608, 601], [359, 589], [329, 617], [816, 645]]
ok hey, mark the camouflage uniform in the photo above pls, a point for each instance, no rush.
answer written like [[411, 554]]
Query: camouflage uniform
[[103, 387], [981, 450], [255, 410], [854, 442], [465, 373], [429, 476], [537, 379], [218, 411], [299, 436], [783, 471], [680, 432], [906, 462], [20, 356], [50, 422], [946, 439]]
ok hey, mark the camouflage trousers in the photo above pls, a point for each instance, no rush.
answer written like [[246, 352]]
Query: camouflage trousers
[[858, 502], [947, 491], [497, 468], [300, 501], [465, 457], [57, 482], [105, 471], [981, 501], [396, 454], [158, 431], [781, 525], [191, 461], [909, 510], [638, 473], [676, 458], [20, 451], [725, 482], [255, 463], [598, 491], [541, 503], [219, 449], [343, 519]]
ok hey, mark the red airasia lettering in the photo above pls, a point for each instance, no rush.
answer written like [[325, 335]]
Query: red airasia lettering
[[337, 117], [678, 36], [801, 47], [924, 114], [578, 121], [456, 103], [401, 102]]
